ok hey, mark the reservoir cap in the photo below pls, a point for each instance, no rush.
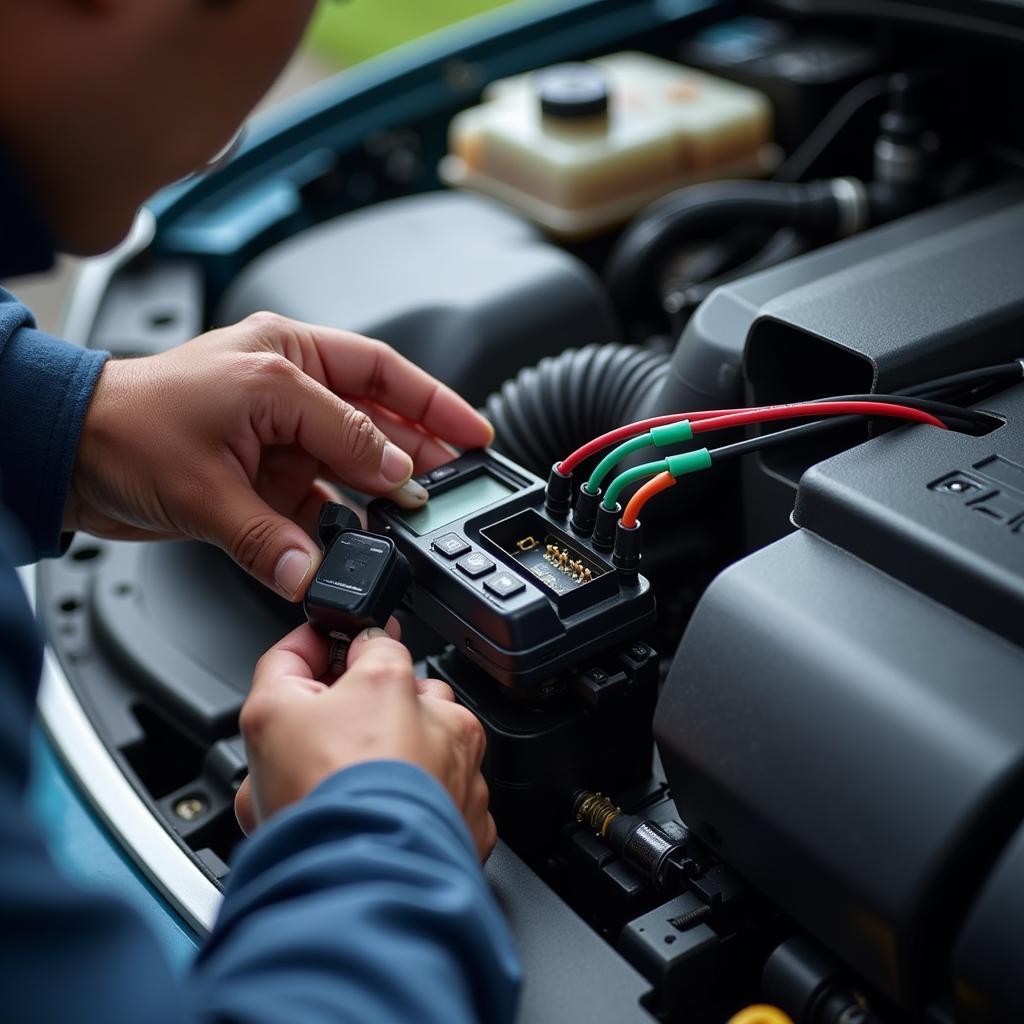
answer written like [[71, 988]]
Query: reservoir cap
[[572, 91]]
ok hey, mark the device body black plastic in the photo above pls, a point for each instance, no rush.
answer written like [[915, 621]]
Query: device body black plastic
[[531, 634], [547, 649]]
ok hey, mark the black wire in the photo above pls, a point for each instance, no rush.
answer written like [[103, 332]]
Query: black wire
[[964, 417], [778, 437], [829, 128], [969, 378], [943, 410]]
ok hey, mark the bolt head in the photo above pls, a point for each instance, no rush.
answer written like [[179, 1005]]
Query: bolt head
[[189, 808]]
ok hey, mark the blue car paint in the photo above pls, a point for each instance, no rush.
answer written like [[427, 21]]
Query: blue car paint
[[85, 851]]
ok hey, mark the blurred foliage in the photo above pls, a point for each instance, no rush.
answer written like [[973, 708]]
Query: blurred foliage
[[347, 33]]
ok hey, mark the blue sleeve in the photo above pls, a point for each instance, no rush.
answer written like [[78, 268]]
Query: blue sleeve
[[45, 388], [365, 903], [65, 953]]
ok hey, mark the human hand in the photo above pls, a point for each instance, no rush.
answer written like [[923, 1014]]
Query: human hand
[[301, 726], [231, 438]]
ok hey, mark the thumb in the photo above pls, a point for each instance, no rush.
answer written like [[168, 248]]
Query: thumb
[[347, 441], [266, 544]]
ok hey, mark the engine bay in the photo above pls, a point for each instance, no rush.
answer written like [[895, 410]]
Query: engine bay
[[753, 705]]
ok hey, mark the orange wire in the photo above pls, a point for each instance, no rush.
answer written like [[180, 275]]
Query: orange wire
[[662, 482]]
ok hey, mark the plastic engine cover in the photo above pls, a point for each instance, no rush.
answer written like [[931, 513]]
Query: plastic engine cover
[[465, 289], [853, 749]]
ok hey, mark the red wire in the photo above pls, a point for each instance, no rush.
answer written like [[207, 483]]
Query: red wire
[[726, 418], [788, 412], [662, 482], [606, 440]]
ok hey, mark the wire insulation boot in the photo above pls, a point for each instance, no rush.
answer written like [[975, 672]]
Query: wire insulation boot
[[626, 556], [584, 513], [558, 494], [604, 531]]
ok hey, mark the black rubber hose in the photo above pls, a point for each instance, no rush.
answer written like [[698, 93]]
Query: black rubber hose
[[681, 298], [547, 411], [694, 213]]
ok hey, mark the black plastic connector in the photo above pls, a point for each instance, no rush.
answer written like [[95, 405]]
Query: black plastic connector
[[361, 580], [334, 519], [626, 556], [558, 495], [584, 513], [658, 850], [604, 531]]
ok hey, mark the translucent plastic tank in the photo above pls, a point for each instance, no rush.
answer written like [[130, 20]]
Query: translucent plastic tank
[[579, 148]]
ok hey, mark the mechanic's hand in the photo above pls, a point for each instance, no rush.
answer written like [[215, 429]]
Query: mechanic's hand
[[299, 729], [230, 439]]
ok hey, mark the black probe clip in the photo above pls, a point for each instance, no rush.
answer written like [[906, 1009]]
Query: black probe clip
[[361, 580]]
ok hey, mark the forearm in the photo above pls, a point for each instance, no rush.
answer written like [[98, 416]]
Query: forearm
[[364, 902]]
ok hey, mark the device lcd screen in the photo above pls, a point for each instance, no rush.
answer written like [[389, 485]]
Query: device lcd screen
[[455, 503]]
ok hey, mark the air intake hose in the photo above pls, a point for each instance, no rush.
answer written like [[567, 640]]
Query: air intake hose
[[819, 210], [547, 411]]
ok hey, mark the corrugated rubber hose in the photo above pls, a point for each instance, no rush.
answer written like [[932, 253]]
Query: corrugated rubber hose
[[547, 411]]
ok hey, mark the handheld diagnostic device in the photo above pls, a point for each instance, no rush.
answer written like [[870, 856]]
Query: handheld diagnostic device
[[542, 626], [507, 583]]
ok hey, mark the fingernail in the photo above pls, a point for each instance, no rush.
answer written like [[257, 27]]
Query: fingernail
[[373, 633], [396, 466], [409, 495], [291, 571]]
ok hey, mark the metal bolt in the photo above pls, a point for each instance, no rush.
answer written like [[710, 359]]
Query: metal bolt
[[189, 808], [674, 302], [957, 487]]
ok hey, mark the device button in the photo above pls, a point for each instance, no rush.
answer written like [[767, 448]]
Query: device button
[[441, 473], [475, 565], [504, 584], [451, 545]]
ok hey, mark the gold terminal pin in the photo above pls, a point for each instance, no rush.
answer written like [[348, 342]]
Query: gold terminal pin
[[526, 544]]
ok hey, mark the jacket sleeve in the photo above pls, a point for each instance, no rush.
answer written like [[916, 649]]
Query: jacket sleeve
[[45, 389], [365, 903], [66, 953], [362, 903]]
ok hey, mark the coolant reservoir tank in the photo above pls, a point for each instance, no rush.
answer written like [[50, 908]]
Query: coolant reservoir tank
[[579, 148]]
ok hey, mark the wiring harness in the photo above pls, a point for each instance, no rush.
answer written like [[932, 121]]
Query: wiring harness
[[598, 510]]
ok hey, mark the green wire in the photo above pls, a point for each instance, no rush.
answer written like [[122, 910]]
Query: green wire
[[677, 465], [670, 433], [623, 480], [604, 467]]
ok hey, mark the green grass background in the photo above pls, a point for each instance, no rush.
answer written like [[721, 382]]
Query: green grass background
[[350, 32]]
